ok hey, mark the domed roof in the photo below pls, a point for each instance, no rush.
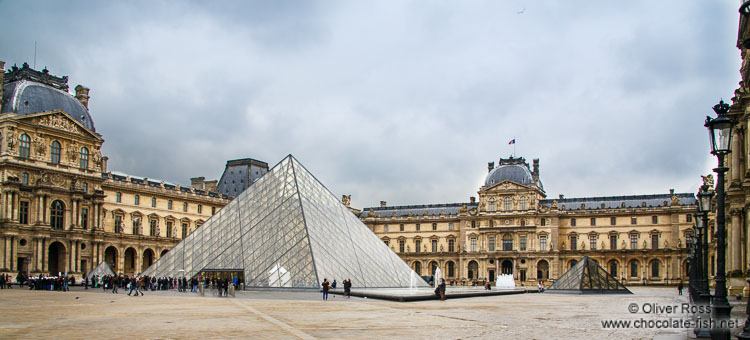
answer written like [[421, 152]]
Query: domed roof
[[27, 91], [514, 172]]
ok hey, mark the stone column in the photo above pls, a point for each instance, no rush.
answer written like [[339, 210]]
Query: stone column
[[74, 214], [7, 211], [5, 253], [14, 206], [44, 254], [735, 167], [733, 242], [13, 253]]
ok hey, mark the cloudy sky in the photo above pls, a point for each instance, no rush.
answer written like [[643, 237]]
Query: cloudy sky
[[402, 101]]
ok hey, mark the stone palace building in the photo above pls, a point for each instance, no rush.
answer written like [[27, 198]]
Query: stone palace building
[[513, 228], [63, 211]]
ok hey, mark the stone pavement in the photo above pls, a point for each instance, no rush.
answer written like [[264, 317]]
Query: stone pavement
[[94, 314]]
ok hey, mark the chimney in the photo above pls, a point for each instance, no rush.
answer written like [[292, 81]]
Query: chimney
[[197, 182], [211, 185], [382, 204], [82, 94], [104, 163], [472, 199], [562, 196], [2, 81], [535, 173], [490, 166], [671, 192]]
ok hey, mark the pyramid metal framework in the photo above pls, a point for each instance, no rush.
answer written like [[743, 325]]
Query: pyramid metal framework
[[588, 277], [101, 269], [287, 230]]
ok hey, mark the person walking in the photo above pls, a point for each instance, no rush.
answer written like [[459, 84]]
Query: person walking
[[326, 287], [348, 288], [441, 288], [114, 284], [133, 286], [679, 287]]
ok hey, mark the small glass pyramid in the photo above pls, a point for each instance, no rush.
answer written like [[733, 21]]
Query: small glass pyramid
[[588, 277], [287, 231], [101, 269]]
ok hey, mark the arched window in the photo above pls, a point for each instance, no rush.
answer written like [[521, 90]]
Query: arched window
[[24, 146], [55, 152], [633, 268], [418, 267], [492, 205], [542, 270], [57, 212], [613, 268], [507, 204], [84, 161], [572, 263], [523, 203], [473, 270], [655, 264]]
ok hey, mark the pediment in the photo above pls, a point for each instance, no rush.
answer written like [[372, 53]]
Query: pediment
[[506, 186], [58, 120]]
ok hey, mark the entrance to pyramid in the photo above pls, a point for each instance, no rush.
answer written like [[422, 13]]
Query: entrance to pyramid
[[211, 274], [287, 230]]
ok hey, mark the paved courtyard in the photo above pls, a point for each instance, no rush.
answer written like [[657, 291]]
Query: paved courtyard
[[94, 314]]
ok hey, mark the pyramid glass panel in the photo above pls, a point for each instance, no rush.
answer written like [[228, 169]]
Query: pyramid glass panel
[[587, 277], [101, 269], [287, 231]]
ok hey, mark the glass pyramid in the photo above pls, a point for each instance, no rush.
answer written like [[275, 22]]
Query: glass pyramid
[[588, 277], [287, 230], [101, 269]]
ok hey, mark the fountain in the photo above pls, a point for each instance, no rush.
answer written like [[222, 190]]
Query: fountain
[[437, 276], [413, 281], [505, 281]]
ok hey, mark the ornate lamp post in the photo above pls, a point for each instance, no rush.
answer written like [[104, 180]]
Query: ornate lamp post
[[720, 136], [704, 206]]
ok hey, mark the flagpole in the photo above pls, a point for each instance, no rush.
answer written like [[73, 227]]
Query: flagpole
[[514, 146]]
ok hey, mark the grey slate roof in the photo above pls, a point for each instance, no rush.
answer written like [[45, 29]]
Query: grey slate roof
[[27, 97], [514, 172], [613, 202], [418, 210]]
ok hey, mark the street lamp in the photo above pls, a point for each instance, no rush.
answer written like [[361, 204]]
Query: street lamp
[[720, 137]]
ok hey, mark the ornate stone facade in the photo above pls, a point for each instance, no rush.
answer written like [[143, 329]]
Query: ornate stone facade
[[60, 208], [514, 229]]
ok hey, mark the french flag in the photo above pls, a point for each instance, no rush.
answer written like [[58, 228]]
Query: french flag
[[512, 141]]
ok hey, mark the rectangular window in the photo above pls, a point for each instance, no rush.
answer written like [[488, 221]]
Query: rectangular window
[[184, 230], [572, 222], [169, 229], [401, 246], [152, 229], [633, 220], [655, 241], [135, 226], [434, 226], [137, 200], [385, 228], [417, 245], [473, 244], [169, 204], [508, 243], [434, 246], [473, 224], [84, 218], [153, 202], [184, 207], [213, 211], [507, 204], [492, 244], [450, 226], [24, 178], [200, 208], [544, 222], [654, 219], [119, 197], [593, 221], [118, 224], [634, 241], [613, 220], [387, 242], [542, 242], [613, 242], [23, 212], [592, 242], [689, 218], [418, 226], [401, 227], [451, 245], [573, 243]]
